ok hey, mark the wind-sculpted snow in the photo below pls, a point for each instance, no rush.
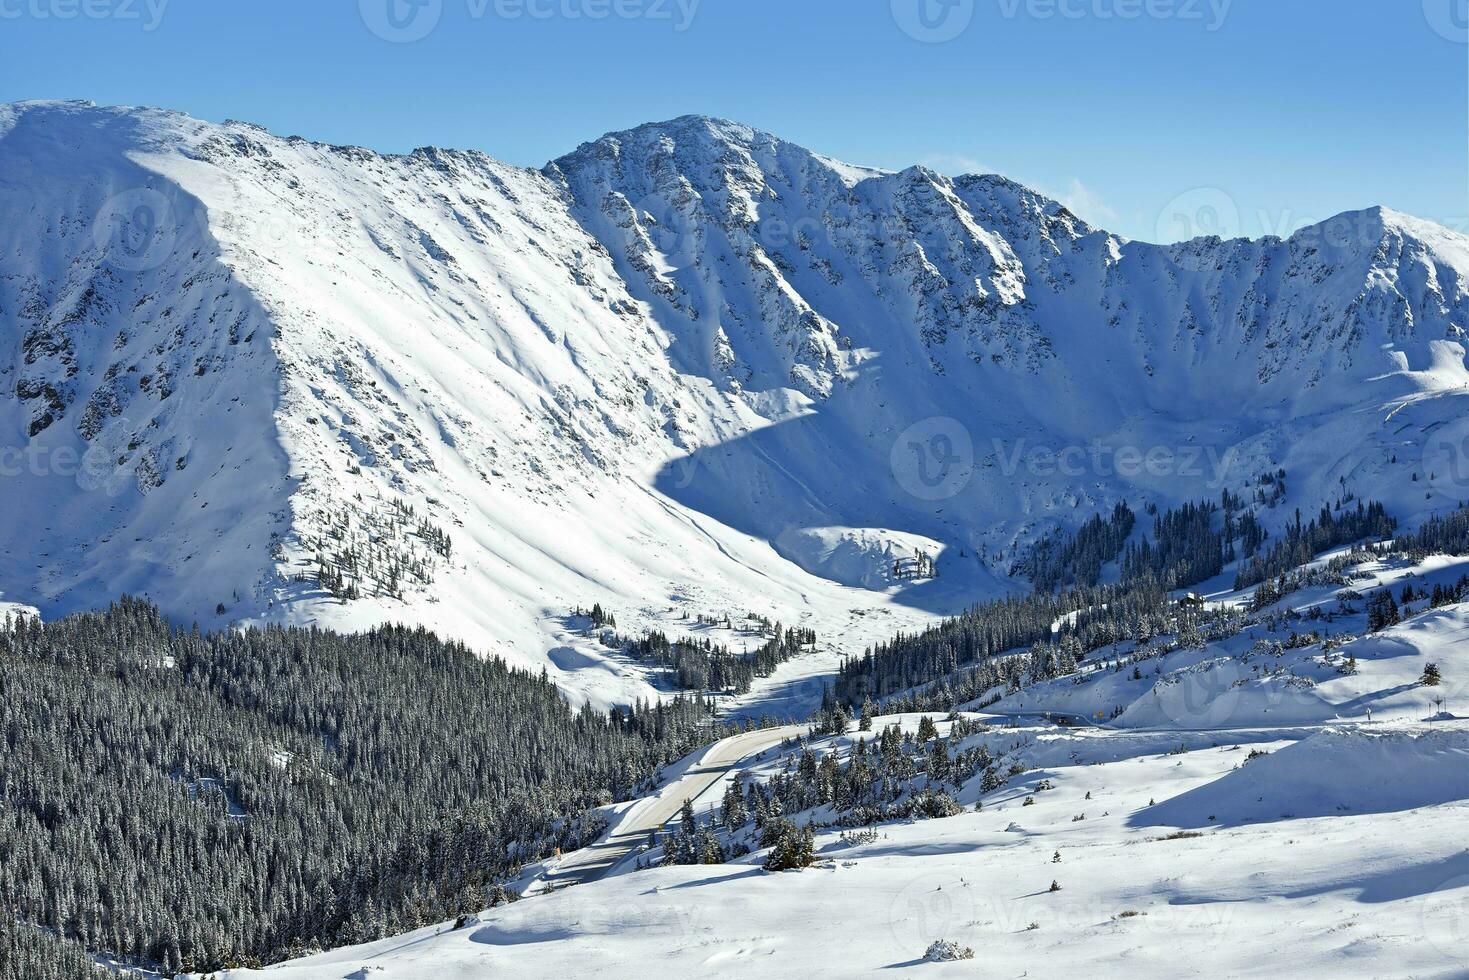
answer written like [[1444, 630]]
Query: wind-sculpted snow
[[686, 369], [1332, 772]]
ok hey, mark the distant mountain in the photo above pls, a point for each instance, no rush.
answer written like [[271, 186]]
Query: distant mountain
[[686, 368]]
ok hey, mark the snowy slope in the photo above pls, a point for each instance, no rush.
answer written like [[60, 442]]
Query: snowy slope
[[1163, 869], [315, 331], [1254, 816], [1370, 895], [686, 369], [1287, 669]]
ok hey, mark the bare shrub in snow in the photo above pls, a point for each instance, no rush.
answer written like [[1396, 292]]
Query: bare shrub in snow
[[946, 951]]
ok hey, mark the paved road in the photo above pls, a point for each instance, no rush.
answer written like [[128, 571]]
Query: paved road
[[591, 863]]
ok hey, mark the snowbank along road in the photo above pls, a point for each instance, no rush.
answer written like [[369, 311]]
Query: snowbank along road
[[652, 813]]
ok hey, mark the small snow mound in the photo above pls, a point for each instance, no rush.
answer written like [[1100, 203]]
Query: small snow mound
[[860, 557], [1338, 771], [14, 609]]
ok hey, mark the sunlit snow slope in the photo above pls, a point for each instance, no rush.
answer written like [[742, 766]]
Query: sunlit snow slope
[[1267, 804], [686, 369]]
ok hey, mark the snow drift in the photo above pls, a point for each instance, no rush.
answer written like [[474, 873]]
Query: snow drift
[[1335, 771]]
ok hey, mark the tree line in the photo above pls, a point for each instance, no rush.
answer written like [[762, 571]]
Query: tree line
[[703, 665], [1302, 543], [1011, 642], [882, 776], [1090, 617], [1060, 560], [193, 801]]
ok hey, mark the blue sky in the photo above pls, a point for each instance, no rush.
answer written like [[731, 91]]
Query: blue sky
[[1154, 118]]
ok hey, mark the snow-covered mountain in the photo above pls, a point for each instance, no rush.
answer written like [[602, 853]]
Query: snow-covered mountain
[[903, 298], [689, 368]]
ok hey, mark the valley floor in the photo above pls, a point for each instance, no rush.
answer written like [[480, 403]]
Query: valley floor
[[1262, 871], [1263, 806]]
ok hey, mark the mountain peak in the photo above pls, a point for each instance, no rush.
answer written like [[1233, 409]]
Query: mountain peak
[[349, 330], [1364, 231], [695, 126], [686, 139]]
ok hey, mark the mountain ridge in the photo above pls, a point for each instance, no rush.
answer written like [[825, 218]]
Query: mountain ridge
[[1389, 213], [678, 370]]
